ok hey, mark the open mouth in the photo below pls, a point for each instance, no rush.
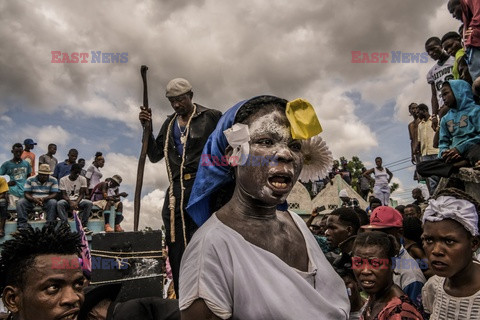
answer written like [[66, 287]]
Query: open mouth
[[280, 182], [367, 284], [438, 265]]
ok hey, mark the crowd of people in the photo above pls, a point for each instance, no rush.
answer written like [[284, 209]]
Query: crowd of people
[[56, 188], [235, 250]]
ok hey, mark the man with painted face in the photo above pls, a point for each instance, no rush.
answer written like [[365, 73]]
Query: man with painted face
[[40, 274], [459, 143], [40, 190], [180, 141], [253, 259]]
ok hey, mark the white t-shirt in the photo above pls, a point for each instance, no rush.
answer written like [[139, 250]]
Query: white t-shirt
[[94, 174], [443, 306], [239, 280], [72, 188], [438, 74]]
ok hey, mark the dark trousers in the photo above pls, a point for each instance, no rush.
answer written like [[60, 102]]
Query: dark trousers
[[176, 248], [439, 167]]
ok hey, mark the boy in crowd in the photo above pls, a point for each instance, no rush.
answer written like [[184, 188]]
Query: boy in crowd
[[438, 74], [105, 195], [425, 143], [48, 158], [452, 44], [28, 155], [63, 168], [40, 190], [459, 132], [18, 170], [73, 188]]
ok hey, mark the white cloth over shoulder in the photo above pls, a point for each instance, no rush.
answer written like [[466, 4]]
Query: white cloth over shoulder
[[239, 280]]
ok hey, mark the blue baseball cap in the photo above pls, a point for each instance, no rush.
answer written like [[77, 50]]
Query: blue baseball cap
[[29, 141]]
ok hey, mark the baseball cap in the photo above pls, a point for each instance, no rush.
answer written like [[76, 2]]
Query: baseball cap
[[178, 86], [385, 217], [343, 193], [29, 141]]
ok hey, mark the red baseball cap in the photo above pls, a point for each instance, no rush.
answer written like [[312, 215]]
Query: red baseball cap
[[385, 217]]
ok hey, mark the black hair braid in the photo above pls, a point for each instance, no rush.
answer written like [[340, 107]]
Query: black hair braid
[[19, 253]]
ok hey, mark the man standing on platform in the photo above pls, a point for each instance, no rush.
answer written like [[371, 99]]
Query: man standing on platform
[[180, 141]]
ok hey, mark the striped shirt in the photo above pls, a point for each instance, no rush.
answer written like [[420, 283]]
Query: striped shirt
[[40, 190]]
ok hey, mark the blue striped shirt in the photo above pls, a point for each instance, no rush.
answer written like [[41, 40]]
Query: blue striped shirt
[[40, 190]]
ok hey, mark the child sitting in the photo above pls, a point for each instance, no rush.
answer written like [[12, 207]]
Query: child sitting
[[450, 238], [459, 132]]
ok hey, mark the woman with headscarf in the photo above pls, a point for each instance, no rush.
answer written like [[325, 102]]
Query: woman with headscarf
[[253, 259]]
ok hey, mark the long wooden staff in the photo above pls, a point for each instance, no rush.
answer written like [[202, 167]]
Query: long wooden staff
[[143, 154]]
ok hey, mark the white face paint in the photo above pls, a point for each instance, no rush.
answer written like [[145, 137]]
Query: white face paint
[[269, 124], [270, 137]]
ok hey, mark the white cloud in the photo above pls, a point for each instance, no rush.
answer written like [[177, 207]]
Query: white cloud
[[150, 211]]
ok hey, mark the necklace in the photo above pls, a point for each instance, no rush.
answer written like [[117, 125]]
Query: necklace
[[183, 136]]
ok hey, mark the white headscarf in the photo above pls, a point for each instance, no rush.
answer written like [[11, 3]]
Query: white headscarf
[[446, 207], [238, 137]]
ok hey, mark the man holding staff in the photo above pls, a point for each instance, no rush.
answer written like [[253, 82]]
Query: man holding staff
[[180, 141]]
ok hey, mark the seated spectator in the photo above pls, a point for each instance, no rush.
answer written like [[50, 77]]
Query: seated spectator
[[452, 44], [3, 205], [412, 240], [407, 274], [41, 190], [18, 170], [73, 188], [62, 169], [412, 210], [346, 200], [93, 174], [28, 155], [105, 195], [372, 265], [48, 157], [459, 132], [450, 239], [40, 274]]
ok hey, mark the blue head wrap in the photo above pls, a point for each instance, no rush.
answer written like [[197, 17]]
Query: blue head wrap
[[211, 178]]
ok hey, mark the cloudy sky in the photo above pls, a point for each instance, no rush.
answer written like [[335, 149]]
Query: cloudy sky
[[229, 50]]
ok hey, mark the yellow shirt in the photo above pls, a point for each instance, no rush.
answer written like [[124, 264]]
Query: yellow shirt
[[425, 138], [3, 185]]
